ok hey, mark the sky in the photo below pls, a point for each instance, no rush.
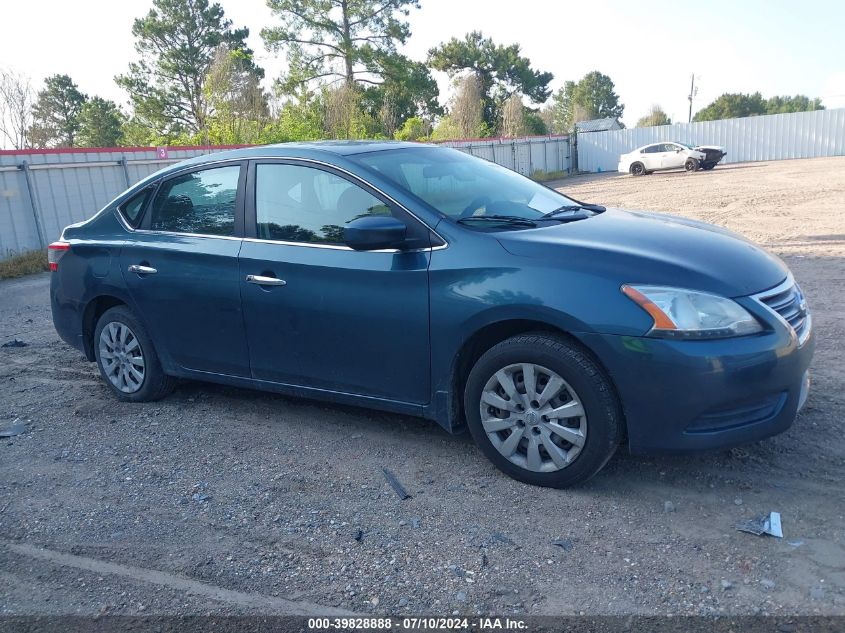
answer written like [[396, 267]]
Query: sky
[[649, 49]]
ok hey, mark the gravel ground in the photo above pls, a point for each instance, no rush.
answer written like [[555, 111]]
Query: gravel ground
[[223, 501]]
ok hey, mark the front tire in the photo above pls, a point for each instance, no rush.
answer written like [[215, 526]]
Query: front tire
[[541, 409], [127, 359]]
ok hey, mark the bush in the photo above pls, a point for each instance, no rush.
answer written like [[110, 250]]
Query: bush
[[18, 265], [414, 129], [541, 176]]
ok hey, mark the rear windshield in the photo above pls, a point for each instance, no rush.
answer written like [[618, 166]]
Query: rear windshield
[[456, 184]]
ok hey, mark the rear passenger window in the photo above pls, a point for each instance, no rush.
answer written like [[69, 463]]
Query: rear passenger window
[[132, 209], [201, 202]]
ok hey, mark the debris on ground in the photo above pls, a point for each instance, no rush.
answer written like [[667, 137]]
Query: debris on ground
[[14, 343], [200, 497], [765, 524], [564, 544], [359, 535], [668, 506], [12, 431], [501, 538], [394, 483], [726, 585]]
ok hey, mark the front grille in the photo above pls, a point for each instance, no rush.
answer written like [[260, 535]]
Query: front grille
[[788, 301]]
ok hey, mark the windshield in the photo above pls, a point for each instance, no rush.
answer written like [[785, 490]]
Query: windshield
[[461, 186]]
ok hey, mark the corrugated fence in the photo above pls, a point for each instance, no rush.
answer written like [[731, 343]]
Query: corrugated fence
[[42, 191], [527, 155], [770, 137]]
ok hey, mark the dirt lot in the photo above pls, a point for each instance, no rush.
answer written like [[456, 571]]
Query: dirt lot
[[222, 501]]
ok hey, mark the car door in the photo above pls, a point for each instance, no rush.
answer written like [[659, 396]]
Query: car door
[[651, 157], [181, 269], [672, 156], [321, 315]]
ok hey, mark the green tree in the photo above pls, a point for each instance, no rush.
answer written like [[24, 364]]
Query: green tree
[[176, 42], [513, 117], [56, 113], [238, 106], [593, 97], [535, 124], [344, 117], [336, 39], [413, 129], [732, 106], [100, 123], [501, 71], [407, 90], [736, 105], [466, 116], [656, 116], [296, 121], [798, 103]]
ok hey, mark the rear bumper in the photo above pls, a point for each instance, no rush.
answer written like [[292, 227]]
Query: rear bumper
[[681, 396]]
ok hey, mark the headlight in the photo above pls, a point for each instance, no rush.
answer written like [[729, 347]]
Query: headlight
[[680, 313]]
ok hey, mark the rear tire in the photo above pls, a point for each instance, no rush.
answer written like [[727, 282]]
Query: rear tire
[[637, 169], [691, 164], [553, 392], [127, 359]]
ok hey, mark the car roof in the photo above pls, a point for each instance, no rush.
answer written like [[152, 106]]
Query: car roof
[[310, 149]]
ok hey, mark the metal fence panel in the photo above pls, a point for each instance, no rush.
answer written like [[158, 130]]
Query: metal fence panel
[[771, 137], [67, 187], [527, 155]]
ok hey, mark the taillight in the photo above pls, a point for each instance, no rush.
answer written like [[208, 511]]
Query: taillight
[[55, 252]]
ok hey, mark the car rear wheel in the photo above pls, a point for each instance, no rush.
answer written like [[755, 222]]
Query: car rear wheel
[[127, 359], [637, 169], [691, 164], [542, 410]]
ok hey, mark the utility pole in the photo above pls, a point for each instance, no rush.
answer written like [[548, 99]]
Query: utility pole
[[692, 92]]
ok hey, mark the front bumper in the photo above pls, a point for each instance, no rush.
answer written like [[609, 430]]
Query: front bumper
[[683, 395]]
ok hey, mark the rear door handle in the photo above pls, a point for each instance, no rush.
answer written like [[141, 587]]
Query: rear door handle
[[142, 270], [265, 281]]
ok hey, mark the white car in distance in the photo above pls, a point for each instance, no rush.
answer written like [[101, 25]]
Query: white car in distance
[[658, 156]]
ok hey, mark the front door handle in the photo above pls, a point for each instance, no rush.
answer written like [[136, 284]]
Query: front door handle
[[265, 281], [142, 270]]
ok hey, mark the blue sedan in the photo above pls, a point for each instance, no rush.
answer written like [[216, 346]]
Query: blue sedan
[[416, 279]]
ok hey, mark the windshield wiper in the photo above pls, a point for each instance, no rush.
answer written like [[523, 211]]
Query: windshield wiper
[[572, 208], [513, 220]]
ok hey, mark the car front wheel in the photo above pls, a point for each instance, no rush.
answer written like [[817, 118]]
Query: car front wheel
[[127, 359], [542, 410]]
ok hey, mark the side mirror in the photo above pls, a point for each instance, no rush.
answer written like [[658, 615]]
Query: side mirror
[[374, 232], [678, 151]]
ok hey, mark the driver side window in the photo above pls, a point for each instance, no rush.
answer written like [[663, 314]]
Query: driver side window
[[294, 203]]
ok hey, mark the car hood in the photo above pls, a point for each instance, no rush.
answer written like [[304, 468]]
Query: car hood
[[716, 147], [653, 248]]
